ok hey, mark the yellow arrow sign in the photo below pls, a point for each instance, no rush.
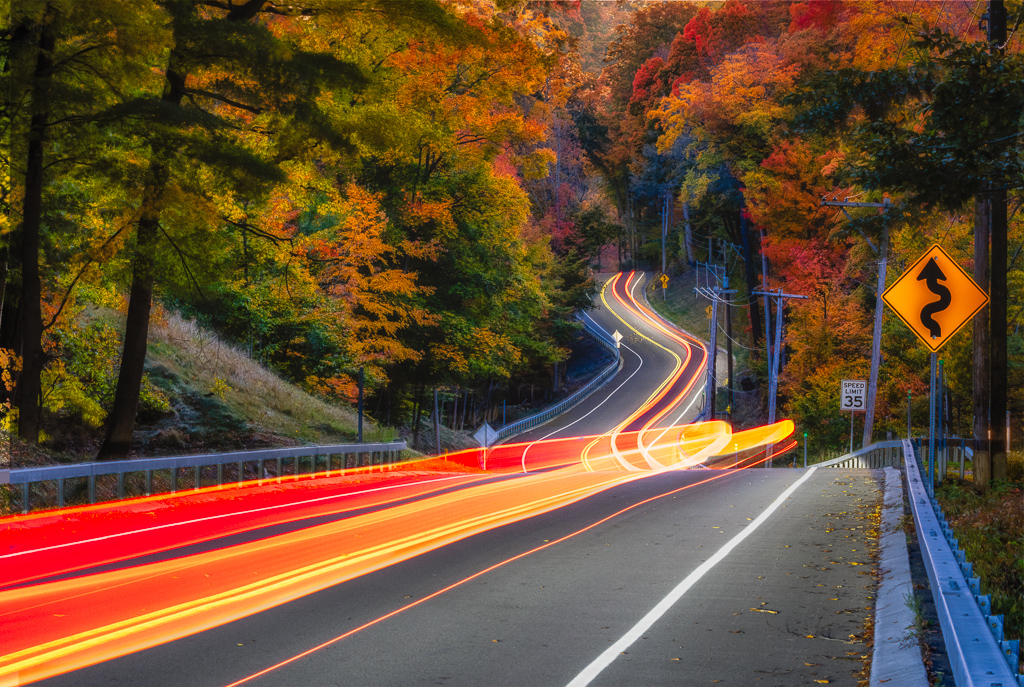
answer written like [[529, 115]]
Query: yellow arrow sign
[[935, 297]]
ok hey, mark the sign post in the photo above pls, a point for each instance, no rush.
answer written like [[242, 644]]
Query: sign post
[[935, 297], [851, 397]]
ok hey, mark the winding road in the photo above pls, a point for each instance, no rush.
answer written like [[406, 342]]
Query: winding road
[[596, 549]]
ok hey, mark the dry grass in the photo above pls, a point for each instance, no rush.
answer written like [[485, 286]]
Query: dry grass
[[264, 401]]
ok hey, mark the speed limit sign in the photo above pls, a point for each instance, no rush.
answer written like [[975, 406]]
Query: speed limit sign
[[852, 392]]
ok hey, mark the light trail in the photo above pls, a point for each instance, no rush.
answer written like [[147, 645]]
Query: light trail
[[376, 520]]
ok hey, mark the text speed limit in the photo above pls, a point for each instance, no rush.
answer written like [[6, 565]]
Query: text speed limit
[[852, 394]]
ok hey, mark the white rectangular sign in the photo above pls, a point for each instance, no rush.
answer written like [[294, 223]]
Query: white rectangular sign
[[852, 394]]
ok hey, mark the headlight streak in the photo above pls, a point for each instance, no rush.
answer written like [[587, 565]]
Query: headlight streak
[[655, 396], [686, 340], [109, 614]]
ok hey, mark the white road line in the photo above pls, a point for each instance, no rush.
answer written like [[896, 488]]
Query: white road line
[[588, 674]]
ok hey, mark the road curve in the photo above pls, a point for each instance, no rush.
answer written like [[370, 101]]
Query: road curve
[[537, 574]]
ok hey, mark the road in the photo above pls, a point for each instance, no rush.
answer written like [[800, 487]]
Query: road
[[569, 561]]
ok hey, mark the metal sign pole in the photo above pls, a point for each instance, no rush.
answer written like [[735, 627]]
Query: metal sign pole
[[851, 431], [931, 427], [908, 415]]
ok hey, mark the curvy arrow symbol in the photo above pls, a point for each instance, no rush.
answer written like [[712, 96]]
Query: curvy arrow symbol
[[932, 275]]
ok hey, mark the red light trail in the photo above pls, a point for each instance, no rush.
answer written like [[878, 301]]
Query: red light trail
[[374, 519]]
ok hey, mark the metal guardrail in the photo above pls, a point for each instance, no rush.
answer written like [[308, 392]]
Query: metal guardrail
[[373, 454], [881, 454], [978, 653], [540, 418]]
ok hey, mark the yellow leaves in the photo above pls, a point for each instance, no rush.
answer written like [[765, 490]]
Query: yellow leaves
[[535, 164]]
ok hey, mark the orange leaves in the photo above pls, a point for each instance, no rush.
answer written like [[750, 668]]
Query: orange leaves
[[372, 298], [341, 388], [741, 95]]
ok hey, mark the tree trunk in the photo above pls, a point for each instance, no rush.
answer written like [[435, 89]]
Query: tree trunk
[[30, 331], [121, 423], [982, 456]]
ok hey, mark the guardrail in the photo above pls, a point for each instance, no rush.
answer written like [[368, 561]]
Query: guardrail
[[356, 454], [978, 654], [881, 454], [540, 418]]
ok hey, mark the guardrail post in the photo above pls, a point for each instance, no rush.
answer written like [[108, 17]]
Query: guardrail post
[[60, 493], [92, 488], [174, 480], [198, 479], [120, 485], [241, 472], [25, 506], [149, 482], [220, 474]]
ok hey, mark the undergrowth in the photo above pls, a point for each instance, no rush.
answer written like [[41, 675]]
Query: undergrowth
[[990, 529]]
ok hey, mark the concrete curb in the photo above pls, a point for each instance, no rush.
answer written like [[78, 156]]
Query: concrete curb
[[897, 653]]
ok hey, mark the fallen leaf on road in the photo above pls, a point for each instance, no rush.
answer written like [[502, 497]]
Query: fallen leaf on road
[[765, 610], [824, 682], [811, 664]]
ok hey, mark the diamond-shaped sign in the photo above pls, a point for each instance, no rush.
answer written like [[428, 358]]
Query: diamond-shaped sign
[[935, 297]]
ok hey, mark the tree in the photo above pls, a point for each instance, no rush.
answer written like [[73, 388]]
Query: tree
[[68, 63]]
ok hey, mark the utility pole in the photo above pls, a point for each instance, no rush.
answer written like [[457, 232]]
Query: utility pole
[[997, 296], [709, 392], [876, 339], [728, 345], [773, 372], [715, 293]]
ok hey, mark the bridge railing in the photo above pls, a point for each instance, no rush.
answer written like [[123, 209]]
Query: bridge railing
[[540, 418], [32, 480]]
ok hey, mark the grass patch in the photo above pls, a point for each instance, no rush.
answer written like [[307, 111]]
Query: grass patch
[[990, 529], [217, 389]]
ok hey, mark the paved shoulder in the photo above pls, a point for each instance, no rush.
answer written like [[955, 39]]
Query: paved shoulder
[[790, 605]]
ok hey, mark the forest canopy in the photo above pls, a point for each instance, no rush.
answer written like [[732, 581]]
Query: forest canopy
[[424, 190]]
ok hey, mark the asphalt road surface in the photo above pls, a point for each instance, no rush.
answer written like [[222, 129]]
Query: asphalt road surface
[[677, 577]]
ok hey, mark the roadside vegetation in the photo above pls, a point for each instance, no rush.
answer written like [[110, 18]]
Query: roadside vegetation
[[423, 190], [990, 529]]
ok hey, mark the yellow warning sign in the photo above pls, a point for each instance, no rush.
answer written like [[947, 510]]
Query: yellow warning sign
[[935, 297], [664, 281]]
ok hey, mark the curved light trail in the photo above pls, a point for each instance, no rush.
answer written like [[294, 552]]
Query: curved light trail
[[341, 527]]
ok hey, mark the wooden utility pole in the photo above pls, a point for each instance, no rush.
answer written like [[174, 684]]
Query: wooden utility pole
[[997, 362], [990, 327]]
